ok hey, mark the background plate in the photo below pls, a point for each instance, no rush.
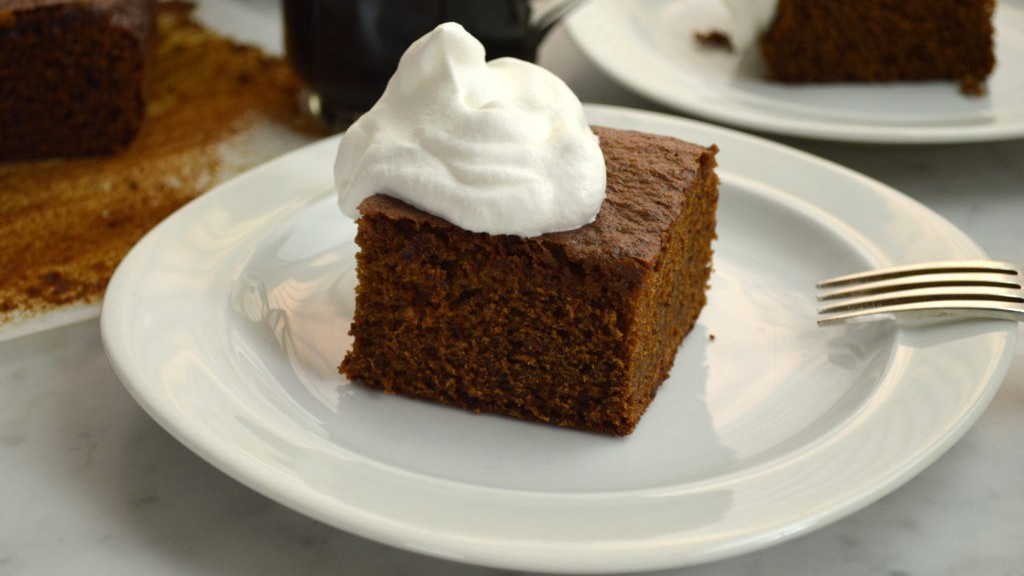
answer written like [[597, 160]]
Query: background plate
[[227, 321], [648, 45]]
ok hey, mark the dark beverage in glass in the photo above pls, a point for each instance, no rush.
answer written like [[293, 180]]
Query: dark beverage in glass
[[346, 50]]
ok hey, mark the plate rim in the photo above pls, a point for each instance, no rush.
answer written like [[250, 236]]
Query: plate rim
[[605, 55], [122, 295]]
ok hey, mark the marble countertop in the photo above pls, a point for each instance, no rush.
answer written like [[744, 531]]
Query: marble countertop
[[89, 484]]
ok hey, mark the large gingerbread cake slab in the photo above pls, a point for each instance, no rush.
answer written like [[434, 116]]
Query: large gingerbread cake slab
[[214, 108]]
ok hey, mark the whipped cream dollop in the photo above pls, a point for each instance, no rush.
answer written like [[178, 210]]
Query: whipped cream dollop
[[501, 147], [750, 18]]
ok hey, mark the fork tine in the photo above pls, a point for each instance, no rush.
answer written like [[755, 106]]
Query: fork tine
[[978, 288], [974, 308], [960, 266], [914, 295], [892, 284]]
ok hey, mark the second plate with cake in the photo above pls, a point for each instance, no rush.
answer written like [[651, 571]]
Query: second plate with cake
[[649, 46]]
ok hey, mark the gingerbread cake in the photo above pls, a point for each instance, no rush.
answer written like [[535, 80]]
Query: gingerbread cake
[[881, 41], [72, 75], [214, 108], [575, 328]]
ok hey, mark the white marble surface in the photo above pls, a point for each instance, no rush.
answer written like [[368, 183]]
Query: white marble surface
[[89, 484]]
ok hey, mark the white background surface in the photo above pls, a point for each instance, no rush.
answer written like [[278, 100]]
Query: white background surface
[[90, 484]]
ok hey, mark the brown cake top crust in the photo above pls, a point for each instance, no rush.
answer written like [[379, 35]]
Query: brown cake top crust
[[645, 173]]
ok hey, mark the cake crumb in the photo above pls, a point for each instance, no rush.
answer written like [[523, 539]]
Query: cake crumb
[[715, 39], [970, 85]]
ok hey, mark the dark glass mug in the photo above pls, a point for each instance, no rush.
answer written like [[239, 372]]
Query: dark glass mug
[[346, 50]]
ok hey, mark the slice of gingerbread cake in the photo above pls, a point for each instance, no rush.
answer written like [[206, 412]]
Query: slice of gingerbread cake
[[881, 41], [73, 75], [575, 328], [512, 258]]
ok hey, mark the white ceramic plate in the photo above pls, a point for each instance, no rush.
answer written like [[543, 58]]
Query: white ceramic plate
[[648, 45], [32, 323], [227, 321]]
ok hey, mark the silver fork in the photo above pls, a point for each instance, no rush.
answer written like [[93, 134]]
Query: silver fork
[[977, 288]]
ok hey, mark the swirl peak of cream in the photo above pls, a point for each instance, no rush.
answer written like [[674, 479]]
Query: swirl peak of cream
[[501, 147]]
